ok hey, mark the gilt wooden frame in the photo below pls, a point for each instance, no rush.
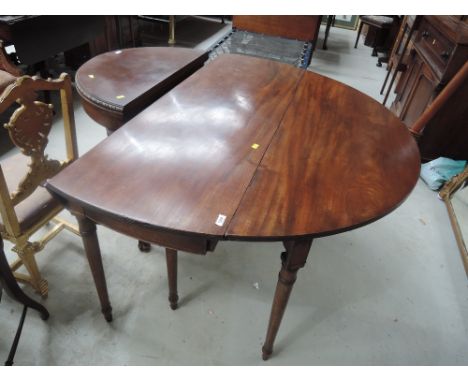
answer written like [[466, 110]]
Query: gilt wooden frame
[[446, 194], [32, 140]]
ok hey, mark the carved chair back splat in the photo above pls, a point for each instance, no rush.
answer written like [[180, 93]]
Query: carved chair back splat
[[25, 206]]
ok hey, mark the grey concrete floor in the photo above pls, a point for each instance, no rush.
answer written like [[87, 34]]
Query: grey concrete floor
[[391, 293]]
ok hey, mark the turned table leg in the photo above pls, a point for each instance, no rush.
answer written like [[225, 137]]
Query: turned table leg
[[171, 262], [292, 260], [93, 253]]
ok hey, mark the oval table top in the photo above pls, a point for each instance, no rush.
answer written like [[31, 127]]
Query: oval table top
[[250, 149]]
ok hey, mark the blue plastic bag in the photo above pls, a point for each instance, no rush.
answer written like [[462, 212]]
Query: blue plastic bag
[[435, 173]]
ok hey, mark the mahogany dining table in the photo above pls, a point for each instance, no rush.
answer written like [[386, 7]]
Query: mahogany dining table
[[244, 149]]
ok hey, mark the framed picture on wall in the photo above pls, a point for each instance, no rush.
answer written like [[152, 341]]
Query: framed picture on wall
[[344, 21]]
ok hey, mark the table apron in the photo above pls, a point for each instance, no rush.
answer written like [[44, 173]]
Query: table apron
[[196, 244]]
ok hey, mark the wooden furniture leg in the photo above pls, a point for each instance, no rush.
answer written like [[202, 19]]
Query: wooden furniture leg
[[132, 32], [394, 74], [26, 252], [171, 262], [358, 34], [389, 69], [292, 260], [8, 282], [93, 253], [330, 20], [172, 22]]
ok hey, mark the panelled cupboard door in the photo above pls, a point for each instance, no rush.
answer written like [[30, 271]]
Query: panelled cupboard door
[[420, 93]]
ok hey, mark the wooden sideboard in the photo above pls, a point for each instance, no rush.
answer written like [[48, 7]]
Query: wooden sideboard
[[438, 50]]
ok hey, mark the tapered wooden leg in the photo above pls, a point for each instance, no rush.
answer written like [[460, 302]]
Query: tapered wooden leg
[[389, 69], [93, 253], [327, 31], [358, 34], [171, 262], [390, 86], [292, 260]]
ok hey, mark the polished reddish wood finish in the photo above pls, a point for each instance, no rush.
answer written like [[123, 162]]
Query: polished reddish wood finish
[[93, 254], [282, 153], [301, 27], [115, 86], [291, 261], [324, 161], [192, 149]]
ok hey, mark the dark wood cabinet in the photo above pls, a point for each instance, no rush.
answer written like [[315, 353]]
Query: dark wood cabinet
[[439, 49]]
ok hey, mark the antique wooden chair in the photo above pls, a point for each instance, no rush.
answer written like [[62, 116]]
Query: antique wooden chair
[[396, 62], [379, 26], [25, 206], [8, 282]]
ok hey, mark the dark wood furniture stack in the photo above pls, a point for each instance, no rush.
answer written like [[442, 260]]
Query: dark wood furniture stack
[[37, 38], [244, 149], [440, 48]]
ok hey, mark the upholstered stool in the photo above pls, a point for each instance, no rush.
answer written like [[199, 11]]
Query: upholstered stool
[[379, 24]]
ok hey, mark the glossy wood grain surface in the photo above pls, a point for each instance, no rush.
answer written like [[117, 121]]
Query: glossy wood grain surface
[[339, 160], [188, 158], [117, 85], [329, 158]]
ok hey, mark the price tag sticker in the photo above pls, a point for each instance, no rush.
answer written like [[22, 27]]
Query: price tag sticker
[[220, 220]]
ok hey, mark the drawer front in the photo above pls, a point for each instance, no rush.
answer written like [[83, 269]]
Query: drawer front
[[436, 48]]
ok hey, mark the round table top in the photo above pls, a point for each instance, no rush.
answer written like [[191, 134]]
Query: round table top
[[250, 149], [114, 80]]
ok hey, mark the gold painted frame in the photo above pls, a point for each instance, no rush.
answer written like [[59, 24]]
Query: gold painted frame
[[446, 194], [28, 128]]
